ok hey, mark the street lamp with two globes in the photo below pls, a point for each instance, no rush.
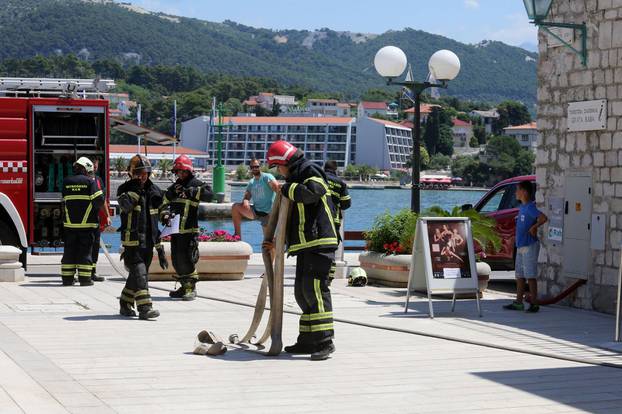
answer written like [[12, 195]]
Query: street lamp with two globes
[[390, 62]]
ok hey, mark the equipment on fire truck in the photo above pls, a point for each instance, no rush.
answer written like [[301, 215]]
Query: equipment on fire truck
[[70, 88]]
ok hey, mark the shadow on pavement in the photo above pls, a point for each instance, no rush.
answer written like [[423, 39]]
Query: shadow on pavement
[[99, 318], [235, 354], [569, 386]]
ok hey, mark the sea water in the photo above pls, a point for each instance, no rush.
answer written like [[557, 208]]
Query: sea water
[[366, 205]]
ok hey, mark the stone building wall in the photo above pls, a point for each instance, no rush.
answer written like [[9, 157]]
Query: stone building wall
[[563, 79]]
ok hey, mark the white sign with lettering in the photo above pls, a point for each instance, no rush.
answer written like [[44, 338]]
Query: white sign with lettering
[[587, 115]]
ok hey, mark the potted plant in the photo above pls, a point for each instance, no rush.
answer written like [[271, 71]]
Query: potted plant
[[389, 248], [390, 243], [222, 256]]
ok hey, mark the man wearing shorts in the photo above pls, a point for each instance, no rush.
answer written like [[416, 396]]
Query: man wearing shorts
[[258, 198], [528, 221]]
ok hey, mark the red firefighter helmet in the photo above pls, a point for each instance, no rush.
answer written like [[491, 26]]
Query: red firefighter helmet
[[280, 152], [183, 163]]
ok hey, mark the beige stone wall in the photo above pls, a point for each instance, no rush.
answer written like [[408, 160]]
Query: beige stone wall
[[562, 79]]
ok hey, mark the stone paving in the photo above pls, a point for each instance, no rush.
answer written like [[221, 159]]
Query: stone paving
[[65, 350]]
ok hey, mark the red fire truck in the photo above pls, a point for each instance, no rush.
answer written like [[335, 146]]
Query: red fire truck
[[45, 125]]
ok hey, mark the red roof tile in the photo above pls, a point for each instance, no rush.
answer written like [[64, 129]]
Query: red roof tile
[[374, 105], [425, 108], [154, 149], [461, 123], [387, 123], [282, 120]]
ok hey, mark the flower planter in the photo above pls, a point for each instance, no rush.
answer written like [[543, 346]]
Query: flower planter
[[393, 270], [386, 270], [217, 261]]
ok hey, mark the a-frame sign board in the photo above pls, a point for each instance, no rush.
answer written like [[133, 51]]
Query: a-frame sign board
[[443, 260]]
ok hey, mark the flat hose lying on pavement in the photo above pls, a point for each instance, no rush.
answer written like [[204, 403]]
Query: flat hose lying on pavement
[[114, 265], [401, 330]]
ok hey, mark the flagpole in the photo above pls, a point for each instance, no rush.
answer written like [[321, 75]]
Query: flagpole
[[138, 122], [174, 130]]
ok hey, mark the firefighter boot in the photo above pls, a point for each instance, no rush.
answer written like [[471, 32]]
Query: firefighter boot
[[97, 278], [190, 290], [179, 292], [300, 349], [147, 312], [323, 351], [68, 281], [85, 281], [126, 309]]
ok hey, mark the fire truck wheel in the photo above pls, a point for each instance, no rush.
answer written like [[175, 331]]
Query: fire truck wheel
[[8, 237]]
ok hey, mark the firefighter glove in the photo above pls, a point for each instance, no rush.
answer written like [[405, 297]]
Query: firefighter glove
[[162, 258]]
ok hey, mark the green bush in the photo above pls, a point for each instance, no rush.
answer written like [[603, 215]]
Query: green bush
[[392, 234]]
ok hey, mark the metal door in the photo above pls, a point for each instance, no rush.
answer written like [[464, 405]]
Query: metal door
[[577, 254]]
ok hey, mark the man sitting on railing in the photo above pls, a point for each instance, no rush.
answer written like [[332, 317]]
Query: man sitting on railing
[[261, 190]]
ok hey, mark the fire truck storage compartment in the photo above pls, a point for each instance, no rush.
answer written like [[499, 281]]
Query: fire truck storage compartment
[[60, 136]]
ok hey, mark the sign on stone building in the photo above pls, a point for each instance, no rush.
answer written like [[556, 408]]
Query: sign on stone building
[[587, 115]]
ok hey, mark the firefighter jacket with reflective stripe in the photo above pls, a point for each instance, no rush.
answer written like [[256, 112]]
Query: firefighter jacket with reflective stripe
[[139, 214], [82, 200], [311, 226], [183, 198], [339, 193]]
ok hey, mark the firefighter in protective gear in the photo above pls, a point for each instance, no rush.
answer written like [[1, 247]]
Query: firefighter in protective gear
[[313, 239], [139, 200], [357, 277], [182, 199], [341, 201], [82, 201], [104, 221]]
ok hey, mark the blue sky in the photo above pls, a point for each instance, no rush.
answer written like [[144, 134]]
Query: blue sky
[[468, 21]]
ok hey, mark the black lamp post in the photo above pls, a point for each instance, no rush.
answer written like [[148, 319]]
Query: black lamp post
[[444, 65]]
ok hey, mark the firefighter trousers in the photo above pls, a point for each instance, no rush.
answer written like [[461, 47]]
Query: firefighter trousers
[[78, 244], [313, 296], [185, 255], [95, 250], [136, 290]]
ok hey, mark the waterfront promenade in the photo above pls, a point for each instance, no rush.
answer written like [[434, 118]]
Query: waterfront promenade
[[65, 350]]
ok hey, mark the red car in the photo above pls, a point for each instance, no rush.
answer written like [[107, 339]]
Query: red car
[[501, 204]]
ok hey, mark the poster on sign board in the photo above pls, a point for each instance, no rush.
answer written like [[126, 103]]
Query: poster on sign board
[[443, 260], [449, 250]]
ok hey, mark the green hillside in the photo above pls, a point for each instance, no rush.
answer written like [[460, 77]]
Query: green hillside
[[324, 60]]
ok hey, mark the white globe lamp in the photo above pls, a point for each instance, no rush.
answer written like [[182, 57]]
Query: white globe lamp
[[444, 65], [390, 62]]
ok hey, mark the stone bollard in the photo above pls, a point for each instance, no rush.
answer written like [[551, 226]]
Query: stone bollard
[[11, 269]]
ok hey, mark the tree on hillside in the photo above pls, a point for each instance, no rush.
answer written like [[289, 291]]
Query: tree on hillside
[[511, 113], [377, 95], [446, 141], [439, 162], [479, 132], [108, 68], [276, 108]]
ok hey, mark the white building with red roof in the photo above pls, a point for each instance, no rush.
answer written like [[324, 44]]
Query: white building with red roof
[[367, 109], [526, 135], [462, 131]]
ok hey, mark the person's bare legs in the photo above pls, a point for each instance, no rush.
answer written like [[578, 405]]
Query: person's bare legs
[[238, 212], [533, 291], [520, 289]]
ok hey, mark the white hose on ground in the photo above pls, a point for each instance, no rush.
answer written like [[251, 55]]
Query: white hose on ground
[[115, 266]]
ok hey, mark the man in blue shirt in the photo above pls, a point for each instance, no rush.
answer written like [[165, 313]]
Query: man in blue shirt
[[528, 221], [260, 190]]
